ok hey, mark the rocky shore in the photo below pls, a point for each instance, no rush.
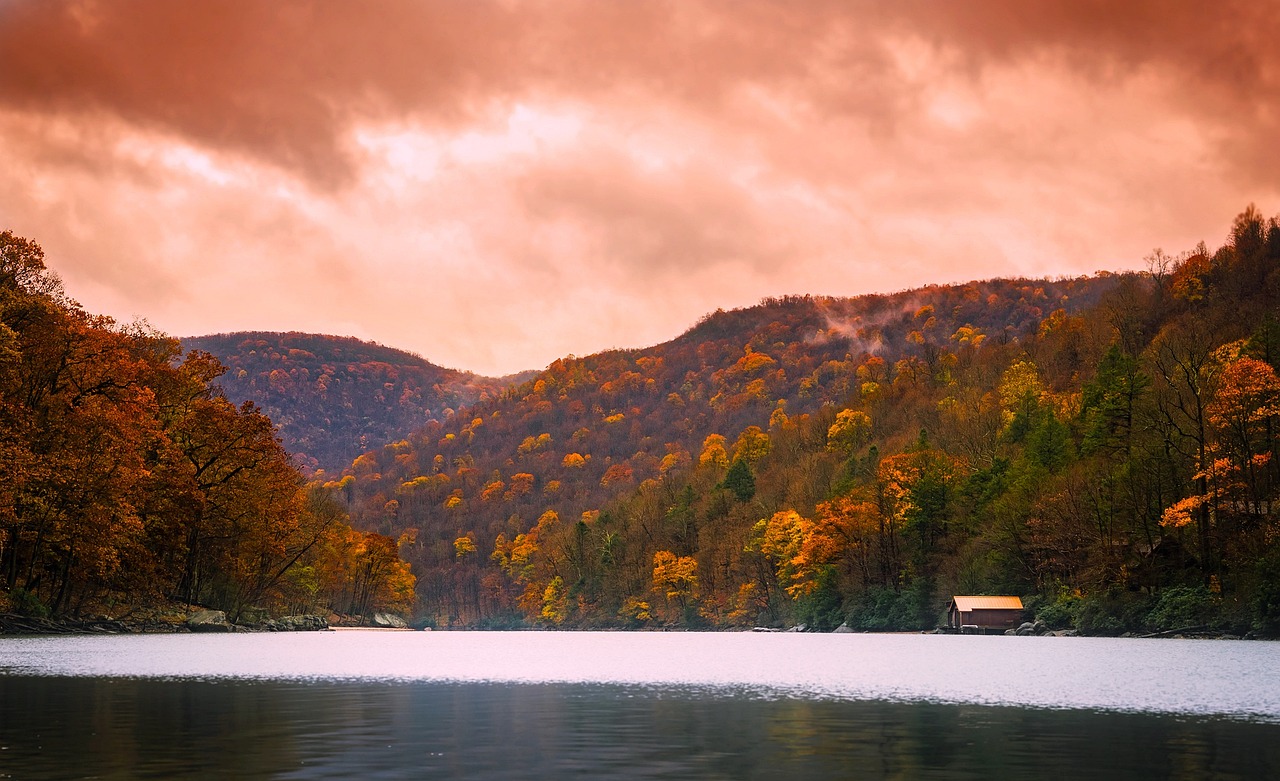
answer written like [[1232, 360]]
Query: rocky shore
[[216, 621], [155, 622], [174, 618]]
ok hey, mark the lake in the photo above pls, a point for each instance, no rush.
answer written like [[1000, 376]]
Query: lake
[[499, 705]]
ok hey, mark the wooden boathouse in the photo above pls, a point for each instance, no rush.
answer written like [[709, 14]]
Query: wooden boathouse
[[984, 614]]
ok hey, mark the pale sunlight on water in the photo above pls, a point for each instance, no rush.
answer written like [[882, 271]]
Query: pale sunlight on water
[[635, 705]]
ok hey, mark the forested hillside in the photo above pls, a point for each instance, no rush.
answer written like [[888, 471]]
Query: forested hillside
[[127, 480], [332, 397], [479, 489], [1104, 447]]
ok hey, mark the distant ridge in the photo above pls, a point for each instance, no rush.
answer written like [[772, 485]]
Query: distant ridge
[[333, 397]]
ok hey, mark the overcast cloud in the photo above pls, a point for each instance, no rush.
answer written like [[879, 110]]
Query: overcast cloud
[[495, 185]]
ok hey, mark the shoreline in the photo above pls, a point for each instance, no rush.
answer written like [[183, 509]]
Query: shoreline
[[12, 625], [16, 625]]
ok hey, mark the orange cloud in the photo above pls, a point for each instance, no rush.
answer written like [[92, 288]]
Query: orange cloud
[[495, 184]]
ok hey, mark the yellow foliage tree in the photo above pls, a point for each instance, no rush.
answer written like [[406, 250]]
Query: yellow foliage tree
[[1020, 390], [464, 546], [555, 601], [713, 451], [752, 445], [674, 576], [849, 431]]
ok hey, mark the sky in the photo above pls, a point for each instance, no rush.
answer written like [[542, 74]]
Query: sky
[[494, 185]]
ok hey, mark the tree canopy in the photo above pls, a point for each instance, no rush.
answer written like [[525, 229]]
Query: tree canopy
[[127, 477]]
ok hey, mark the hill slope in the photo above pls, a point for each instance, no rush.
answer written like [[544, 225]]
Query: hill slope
[[334, 397], [590, 431]]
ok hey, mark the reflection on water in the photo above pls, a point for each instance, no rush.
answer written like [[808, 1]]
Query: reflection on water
[[647, 705], [144, 728], [1176, 676]]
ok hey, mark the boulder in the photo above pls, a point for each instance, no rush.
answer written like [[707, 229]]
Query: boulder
[[389, 621], [305, 623], [209, 621], [252, 616], [843, 629]]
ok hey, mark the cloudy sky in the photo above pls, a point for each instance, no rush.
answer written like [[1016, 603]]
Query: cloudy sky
[[496, 184]]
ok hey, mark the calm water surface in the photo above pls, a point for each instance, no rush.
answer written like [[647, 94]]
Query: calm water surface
[[635, 705]]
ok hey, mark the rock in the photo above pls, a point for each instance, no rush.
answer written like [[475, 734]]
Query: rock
[[252, 616], [389, 621], [799, 628], [209, 621], [1011, 632], [843, 629], [765, 629], [305, 623]]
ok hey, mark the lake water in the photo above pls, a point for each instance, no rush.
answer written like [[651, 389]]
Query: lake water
[[366, 704]]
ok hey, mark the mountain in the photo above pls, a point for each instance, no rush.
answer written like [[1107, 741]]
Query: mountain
[[589, 432], [334, 397], [1104, 447]]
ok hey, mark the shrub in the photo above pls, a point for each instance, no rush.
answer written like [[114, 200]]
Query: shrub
[[1061, 613], [1110, 614], [1266, 601], [822, 610], [882, 609], [27, 603], [1096, 618], [1182, 606]]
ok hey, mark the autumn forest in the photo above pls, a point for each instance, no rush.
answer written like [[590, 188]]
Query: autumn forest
[[1105, 447], [129, 479]]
